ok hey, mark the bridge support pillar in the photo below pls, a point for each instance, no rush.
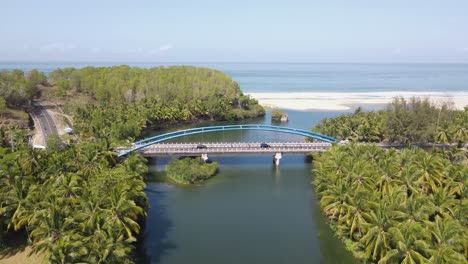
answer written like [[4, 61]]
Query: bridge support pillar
[[204, 157], [276, 158]]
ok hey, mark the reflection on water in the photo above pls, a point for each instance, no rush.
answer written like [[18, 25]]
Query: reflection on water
[[251, 212]]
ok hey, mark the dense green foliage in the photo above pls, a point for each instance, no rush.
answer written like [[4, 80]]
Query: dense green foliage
[[126, 120], [18, 88], [413, 121], [190, 170], [396, 207], [114, 84], [140, 97], [77, 203], [277, 114]]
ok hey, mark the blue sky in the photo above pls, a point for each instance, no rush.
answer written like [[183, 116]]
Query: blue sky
[[241, 30]]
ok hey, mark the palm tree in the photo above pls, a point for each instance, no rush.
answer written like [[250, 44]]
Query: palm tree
[[449, 239], [444, 254], [107, 246], [69, 248], [418, 208], [443, 203], [356, 214], [388, 167], [408, 176], [334, 200], [443, 134], [49, 224], [458, 184], [431, 171], [460, 132], [409, 245], [376, 240], [361, 176], [121, 211]]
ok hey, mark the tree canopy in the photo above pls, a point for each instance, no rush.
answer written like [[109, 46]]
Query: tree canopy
[[124, 100], [78, 204], [396, 207], [18, 88], [413, 121], [190, 170]]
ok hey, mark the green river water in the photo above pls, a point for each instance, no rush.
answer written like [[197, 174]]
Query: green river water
[[251, 212]]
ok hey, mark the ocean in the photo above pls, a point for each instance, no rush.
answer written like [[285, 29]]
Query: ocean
[[309, 77]]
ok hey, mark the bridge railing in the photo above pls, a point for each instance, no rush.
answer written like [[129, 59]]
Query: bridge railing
[[193, 131]]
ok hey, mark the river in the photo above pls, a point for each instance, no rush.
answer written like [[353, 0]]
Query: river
[[251, 212]]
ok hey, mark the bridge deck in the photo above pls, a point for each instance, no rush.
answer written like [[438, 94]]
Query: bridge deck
[[230, 149]]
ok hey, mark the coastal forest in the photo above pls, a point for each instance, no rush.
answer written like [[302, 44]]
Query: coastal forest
[[397, 206], [413, 121], [125, 100], [76, 201]]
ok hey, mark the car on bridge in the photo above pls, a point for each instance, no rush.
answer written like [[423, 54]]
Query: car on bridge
[[264, 145], [201, 146]]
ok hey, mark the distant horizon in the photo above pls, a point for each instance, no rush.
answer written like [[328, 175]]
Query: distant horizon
[[232, 61]]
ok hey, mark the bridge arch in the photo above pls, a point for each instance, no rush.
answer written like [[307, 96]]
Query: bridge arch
[[200, 130]]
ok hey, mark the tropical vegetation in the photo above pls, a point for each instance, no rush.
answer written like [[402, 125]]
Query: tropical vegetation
[[190, 170], [278, 115], [392, 206], [18, 87], [121, 101], [76, 203], [402, 122]]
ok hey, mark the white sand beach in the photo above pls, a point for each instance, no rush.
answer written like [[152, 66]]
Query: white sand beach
[[345, 101]]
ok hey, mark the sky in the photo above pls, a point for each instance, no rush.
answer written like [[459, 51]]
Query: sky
[[411, 31]]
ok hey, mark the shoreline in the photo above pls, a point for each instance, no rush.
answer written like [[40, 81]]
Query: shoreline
[[340, 101]]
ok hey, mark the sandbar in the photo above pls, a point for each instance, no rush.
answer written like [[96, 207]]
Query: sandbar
[[339, 101]]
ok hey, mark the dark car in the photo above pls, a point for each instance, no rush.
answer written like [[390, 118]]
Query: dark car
[[200, 146], [264, 145]]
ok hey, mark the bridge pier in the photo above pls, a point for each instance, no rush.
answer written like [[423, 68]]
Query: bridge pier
[[276, 158], [204, 157]]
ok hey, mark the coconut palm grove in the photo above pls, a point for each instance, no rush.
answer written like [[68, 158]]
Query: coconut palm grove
[[398, 206]]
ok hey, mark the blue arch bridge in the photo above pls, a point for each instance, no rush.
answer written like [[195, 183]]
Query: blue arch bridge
[[156, 146]]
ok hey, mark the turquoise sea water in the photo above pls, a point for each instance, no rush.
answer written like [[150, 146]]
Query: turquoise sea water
[[310, 77]]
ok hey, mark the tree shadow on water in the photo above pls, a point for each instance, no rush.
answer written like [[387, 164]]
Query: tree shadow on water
[[155, 242]]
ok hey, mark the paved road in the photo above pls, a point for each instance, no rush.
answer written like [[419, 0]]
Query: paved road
[[46, 122], [229, 149]]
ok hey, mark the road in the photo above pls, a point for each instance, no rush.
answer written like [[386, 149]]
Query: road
[[43, 121], [230, 149]]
